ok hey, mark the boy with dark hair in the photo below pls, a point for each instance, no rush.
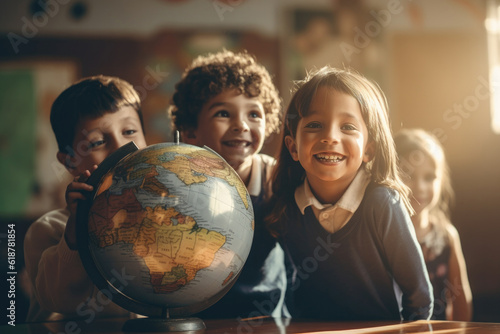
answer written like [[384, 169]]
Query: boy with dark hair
[[91, 119], [228, 102]]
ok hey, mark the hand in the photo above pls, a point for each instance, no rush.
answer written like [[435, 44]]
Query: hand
[[75, 192]]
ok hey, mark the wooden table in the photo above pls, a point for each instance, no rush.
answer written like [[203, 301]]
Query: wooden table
[[266, 325]]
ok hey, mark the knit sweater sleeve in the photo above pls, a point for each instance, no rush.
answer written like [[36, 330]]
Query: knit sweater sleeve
[[404, 256], [58, 277]]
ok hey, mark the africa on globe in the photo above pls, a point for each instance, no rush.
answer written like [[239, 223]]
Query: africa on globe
[[174, 219]]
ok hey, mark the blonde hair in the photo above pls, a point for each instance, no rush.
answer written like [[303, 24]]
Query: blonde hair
[[410, 145], [289, 174]]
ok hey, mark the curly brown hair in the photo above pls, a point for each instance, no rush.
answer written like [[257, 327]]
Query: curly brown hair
[[210, 75]]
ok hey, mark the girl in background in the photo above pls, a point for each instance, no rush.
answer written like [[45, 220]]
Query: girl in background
[[340, 209], [426, 172]]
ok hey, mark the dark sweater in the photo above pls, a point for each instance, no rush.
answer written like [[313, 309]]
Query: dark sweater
[[260, 287], [351, 274]]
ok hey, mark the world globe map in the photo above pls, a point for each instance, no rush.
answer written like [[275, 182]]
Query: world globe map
[[168, 228]]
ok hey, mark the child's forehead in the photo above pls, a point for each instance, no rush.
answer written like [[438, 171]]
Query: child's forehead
[[327, 90], [329, 96], [109, 118], [236, 91], [232, 95]]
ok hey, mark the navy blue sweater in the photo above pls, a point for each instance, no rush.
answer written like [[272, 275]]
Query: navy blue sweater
[[260, 287], [371, 269]]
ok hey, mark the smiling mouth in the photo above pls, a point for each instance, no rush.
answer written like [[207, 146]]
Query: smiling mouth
[[329, 157], [237, 143]]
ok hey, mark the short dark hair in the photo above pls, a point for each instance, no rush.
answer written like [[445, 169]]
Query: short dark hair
[[90, 97], [210, 75]]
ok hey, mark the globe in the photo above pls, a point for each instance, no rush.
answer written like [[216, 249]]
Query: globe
[[166, 230]]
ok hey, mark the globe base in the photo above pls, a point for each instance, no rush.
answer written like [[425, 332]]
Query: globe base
[[163, 325]]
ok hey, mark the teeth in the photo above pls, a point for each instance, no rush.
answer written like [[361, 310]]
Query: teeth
[[237, 143], [330, 157]]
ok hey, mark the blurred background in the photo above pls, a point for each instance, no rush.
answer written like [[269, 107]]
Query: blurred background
[[436, 60]]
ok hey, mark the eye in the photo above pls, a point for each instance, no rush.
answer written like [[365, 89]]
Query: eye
[[349, 127], [129, 132], [221, 113], [313, 125], [430, 178], [95, 143], [255, 114]]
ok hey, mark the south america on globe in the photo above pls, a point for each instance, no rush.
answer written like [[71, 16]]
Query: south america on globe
[[166, 230]]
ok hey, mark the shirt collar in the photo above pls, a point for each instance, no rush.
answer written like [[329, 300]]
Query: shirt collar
[[349, 201]]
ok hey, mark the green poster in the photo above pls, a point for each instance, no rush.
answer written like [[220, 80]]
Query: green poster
[[17, 140]]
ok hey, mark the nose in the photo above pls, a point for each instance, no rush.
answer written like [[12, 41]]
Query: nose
[[115, 142], [331, 135], [239, 125], [419, 184]]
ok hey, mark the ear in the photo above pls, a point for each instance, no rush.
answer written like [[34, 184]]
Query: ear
[[292, 147], [369, 152], [67, 161], [189, 136]]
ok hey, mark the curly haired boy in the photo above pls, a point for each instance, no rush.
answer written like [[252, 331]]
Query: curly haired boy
[[228, 102]]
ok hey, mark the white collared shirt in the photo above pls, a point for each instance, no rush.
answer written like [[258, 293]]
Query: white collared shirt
[[334, 216]]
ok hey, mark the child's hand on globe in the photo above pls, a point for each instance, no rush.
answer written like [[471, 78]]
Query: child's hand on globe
[[74, 192]]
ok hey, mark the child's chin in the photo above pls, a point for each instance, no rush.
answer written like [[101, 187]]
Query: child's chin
[[237, 159]]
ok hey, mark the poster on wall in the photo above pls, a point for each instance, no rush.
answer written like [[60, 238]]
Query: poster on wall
[[32, 180], [333, 35]]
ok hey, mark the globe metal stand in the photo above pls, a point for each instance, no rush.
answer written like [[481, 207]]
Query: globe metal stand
[[164, 324]]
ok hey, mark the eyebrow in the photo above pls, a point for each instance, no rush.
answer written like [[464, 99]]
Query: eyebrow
[[130, 118], [125, 119]]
